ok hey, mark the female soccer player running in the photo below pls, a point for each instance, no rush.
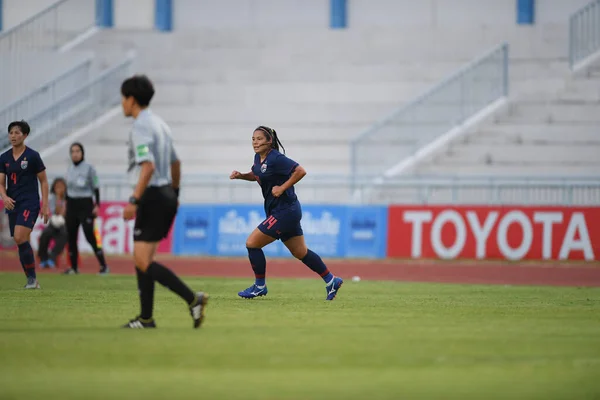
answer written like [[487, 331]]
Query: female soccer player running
[[276, 174], [20, 169]]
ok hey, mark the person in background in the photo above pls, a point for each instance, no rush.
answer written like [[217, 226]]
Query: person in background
[[56, 229], [83, 202]]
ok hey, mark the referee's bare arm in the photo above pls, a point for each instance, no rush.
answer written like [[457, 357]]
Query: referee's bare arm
[[146, 171]]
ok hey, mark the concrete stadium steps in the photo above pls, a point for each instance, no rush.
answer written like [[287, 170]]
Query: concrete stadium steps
[[551, 134], [582, 90], [250, 93], [550, 169], [321, 88], [377, 72], [554, 111], [214, 156], [230, 153], [117, 130], [510, 153], [555, 134], [275, 113], [540, 42]]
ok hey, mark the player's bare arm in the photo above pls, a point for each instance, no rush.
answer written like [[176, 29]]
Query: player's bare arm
[[9, 203], [43, 179], [249, 176], [296, 176], [146, 171]]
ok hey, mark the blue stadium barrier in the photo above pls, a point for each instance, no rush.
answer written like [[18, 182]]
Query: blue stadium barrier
[[337, 13], [104, 13], [333, 231], [163, 15], [525, 12]]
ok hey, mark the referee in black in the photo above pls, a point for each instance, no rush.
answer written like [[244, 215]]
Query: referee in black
[[83, 200], [156, 172]]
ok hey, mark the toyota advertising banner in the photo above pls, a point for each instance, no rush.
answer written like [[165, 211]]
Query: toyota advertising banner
[[494, 232]]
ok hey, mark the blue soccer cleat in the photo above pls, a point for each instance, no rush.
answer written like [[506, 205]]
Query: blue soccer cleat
[[50, 264], [253, 291], [333, 289]]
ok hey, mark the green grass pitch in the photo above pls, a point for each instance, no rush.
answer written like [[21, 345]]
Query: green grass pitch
[[377, 340]]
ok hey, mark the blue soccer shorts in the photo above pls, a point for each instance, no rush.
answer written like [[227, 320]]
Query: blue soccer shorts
[[24, 216], [283, 224]]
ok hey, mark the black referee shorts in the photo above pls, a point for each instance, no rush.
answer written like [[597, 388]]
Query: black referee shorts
[[155, 214], [79, 209]]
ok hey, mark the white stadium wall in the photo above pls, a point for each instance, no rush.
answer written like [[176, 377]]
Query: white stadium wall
[[193, 14], [133, 14]]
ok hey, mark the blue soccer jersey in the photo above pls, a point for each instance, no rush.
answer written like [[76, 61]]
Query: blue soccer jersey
[[275, 170], [21, 176]]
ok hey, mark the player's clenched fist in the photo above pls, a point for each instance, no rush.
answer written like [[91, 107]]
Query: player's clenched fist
[[235, 175]]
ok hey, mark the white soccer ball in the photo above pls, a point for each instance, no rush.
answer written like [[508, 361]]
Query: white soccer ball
[[356, 279], [57, 221]]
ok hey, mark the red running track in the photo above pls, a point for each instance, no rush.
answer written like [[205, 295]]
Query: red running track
[[466, 272]]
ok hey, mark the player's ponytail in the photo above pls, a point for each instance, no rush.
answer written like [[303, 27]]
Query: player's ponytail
[[276, 142]]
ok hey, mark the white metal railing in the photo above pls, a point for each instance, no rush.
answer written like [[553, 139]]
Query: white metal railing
[[29, 49], [45, 96], [418, 123], [584, 33], [50, 28], [79, 107], [422, 190]]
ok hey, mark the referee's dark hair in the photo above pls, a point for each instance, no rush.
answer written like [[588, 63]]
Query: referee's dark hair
[[140, 88], [23, 126], [271, 135]]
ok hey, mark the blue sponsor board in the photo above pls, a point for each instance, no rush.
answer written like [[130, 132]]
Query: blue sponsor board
[[194, 231], [324, 229], [331, 231], [366, 232], [233, 225]]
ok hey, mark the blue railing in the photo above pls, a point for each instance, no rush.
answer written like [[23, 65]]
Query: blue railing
[[584, 33], [45, 96], [50, 28], [418, 123]]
